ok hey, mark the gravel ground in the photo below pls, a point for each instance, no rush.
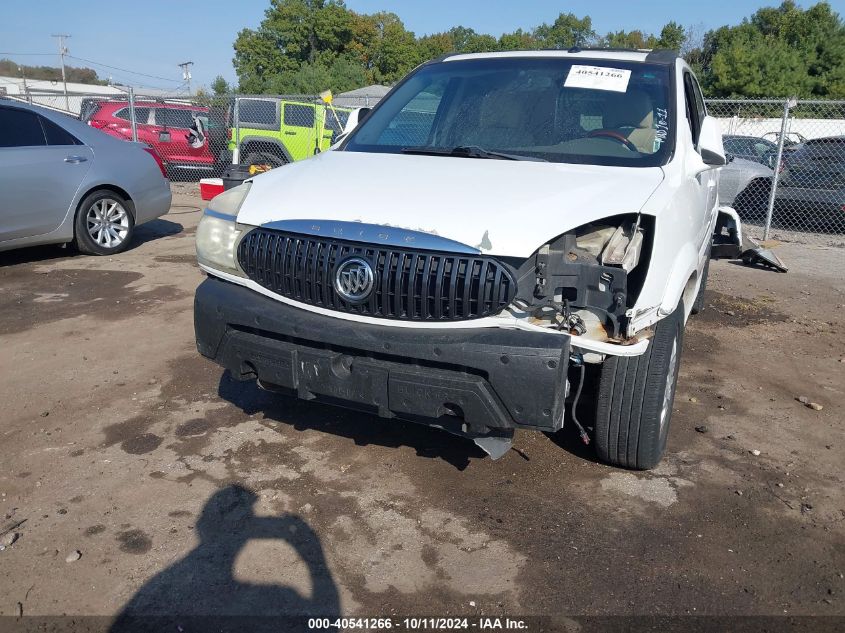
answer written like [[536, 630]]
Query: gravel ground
[[182, 490]]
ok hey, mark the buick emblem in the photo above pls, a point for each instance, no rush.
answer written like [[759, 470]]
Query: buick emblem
[[353, 279]]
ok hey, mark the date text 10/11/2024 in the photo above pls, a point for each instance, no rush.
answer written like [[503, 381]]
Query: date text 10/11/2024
[[418, 624]]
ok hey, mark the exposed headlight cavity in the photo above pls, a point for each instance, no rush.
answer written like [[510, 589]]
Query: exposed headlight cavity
[[585, 280]]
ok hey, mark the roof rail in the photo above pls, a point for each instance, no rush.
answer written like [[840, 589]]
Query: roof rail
[[655, 55], [609, 49], [662, 56]]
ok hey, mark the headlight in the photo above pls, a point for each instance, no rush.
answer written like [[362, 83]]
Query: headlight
[[218, 231]]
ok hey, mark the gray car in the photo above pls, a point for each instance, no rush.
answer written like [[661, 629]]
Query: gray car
[[62, 181], [745, 185]]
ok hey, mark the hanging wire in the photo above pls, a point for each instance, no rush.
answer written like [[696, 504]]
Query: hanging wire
[[123, 70]]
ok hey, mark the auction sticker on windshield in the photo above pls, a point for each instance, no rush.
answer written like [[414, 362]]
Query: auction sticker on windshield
[[598, 78]]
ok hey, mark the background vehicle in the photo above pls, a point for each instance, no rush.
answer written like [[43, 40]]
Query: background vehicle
[[63, 181], [277, 132], [169, 128], [791, 139], [745, 185], [811, 188], [563, 206], [752, 148]]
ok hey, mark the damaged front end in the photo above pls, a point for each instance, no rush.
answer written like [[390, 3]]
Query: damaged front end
[[585, 281]]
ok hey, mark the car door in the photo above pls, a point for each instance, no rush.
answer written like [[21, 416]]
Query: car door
[[299, 129], [41, 169], [706, 182], [178, 122]]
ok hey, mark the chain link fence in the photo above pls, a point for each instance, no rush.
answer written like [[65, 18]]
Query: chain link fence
[[200, 137], [785, 177], [786, 174]]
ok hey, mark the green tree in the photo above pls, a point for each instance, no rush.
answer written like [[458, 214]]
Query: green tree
[[461, 37], [629, 39], [395, 49], [519, 40], [780, 51], [672, 36], [566, 31], [220, 86], [9, 68], [433, 46]]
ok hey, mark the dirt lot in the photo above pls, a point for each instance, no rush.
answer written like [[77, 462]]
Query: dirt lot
[[184, 490]]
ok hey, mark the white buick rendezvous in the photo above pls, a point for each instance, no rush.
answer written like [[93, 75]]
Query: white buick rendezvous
[[504, 226]]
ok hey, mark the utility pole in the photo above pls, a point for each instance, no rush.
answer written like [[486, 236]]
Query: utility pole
[[62, 52], [186, 73], [25, 88]]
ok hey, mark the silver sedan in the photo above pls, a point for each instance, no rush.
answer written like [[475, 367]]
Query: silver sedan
[[62, 181]]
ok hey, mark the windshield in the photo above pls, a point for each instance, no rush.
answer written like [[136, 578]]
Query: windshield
[[568, 110]]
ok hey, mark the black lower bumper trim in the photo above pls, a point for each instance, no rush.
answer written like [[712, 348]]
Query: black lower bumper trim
[[480, 379]]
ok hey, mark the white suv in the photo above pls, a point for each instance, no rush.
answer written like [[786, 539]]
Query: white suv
[[496, 225]]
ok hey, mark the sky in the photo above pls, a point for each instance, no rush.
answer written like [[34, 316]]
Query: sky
[[153, 41]]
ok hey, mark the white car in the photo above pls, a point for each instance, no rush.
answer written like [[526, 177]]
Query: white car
[[495, 224]]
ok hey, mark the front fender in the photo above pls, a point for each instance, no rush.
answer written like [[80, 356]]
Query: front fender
[[685, 266]]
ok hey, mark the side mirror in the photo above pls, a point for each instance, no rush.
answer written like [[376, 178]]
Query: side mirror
[[355, 118], [164, 137], [710, 143], [729, 157]]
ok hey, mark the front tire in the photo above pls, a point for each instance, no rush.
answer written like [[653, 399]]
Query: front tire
[[635, 399], [265, 158], [104, 224]]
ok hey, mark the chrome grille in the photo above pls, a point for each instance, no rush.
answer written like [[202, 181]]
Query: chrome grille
[[411, 285]]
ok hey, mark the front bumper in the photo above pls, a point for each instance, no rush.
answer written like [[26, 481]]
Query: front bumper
[[475, 382]]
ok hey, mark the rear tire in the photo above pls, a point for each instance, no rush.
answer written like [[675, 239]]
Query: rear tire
[[104, 224], [635, 399]]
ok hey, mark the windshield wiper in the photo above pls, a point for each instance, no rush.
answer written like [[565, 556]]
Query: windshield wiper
[[468, 151]]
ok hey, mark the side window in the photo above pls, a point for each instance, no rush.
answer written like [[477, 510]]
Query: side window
[[299, 115], [760, 149], [57, 135], [693, 114], [336, 119], [174, 117], [20, 128], [258, 113], [142, 115], [699, 99]]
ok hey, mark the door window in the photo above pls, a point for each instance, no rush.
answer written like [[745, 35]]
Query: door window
[[257, 113], [299, 115], [57, 135], [20, 128], [142, 115], [174, 117]]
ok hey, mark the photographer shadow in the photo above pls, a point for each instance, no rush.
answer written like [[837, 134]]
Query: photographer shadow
[[200, 593]]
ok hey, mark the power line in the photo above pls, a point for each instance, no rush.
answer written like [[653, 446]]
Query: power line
[[29, 54], [124, 70]]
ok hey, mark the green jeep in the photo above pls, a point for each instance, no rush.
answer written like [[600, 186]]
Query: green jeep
[[275, 132]]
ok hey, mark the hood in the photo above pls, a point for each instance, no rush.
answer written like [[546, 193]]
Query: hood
[[502, 207]]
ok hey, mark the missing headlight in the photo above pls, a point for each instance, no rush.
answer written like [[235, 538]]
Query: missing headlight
[[588, 277]]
